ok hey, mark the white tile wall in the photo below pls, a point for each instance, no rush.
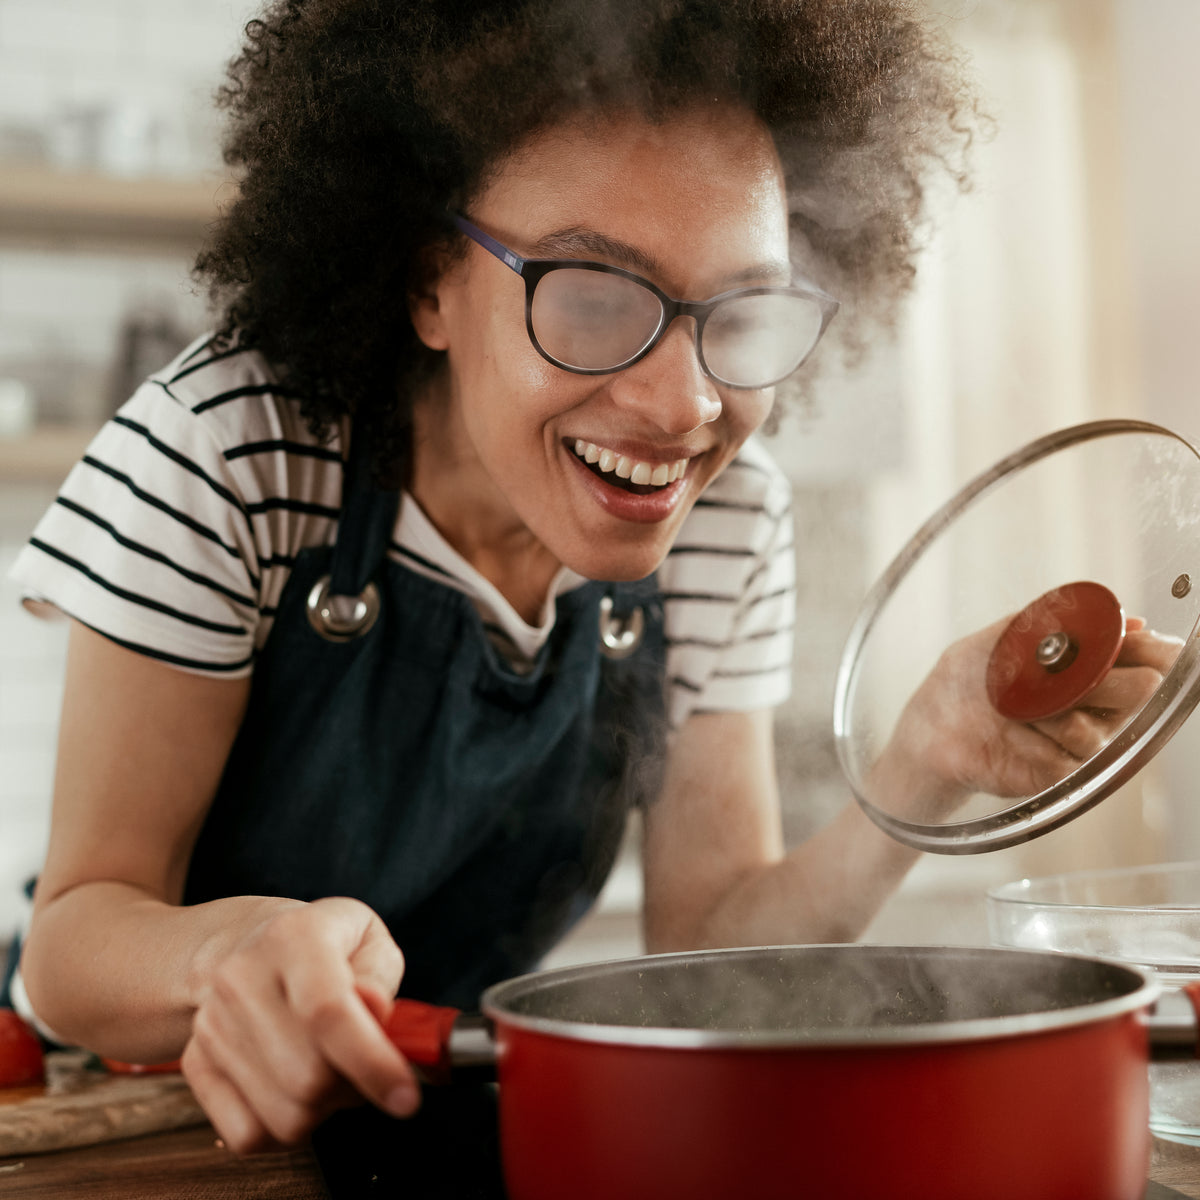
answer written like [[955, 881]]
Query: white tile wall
[[146, 64], [58, 53], [61, 307]]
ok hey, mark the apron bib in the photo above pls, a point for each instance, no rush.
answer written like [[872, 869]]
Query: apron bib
[[395, 758]]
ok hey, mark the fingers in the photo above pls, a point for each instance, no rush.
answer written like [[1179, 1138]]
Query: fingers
[[331, 1010], [235, 1121], [1144, 647], [1086, 729], [1079, 733], [1034, 760], [1144, 659], [1122, 692], [249, 1036], [290, 1029]]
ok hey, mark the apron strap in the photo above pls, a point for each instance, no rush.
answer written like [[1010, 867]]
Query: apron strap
[[623, 608], [627, 595], [365, 526]]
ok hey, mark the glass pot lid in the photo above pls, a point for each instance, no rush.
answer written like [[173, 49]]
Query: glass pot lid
[[1032, 646]]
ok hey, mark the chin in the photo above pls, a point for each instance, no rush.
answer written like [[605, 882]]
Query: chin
[[620, 564]]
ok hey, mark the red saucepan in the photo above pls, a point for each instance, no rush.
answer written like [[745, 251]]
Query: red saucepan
[[935, 1073]]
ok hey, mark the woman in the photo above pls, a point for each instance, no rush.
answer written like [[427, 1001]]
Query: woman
[[454, 542]]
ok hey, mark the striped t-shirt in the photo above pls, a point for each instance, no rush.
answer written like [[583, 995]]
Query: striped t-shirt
[[177, 531]]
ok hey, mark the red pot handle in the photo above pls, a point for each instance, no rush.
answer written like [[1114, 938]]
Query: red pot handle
[[421, 1032]]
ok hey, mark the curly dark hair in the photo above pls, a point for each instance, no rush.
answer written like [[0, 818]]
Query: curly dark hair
[[356, 123]]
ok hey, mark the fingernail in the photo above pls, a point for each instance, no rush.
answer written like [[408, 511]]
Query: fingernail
[[402, 1100]]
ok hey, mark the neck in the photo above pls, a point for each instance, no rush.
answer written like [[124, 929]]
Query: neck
[[468, 510]]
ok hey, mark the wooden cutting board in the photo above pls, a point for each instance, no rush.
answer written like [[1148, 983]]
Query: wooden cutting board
[[81, 1104]]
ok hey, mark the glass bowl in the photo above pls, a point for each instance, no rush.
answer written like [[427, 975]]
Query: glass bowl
[[1146, 916]]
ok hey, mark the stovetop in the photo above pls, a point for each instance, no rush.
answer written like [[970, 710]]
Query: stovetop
[[449, 1151]]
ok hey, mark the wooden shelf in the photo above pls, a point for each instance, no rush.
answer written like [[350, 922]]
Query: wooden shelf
[[45, 455], [44, 202]]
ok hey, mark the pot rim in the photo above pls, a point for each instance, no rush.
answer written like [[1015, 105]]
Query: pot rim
[[496, 1000]]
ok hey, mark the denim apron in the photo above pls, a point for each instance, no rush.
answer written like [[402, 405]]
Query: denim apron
[[391, 755], [394, 757]]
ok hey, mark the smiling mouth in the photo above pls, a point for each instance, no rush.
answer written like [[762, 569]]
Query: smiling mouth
[[629, 474]]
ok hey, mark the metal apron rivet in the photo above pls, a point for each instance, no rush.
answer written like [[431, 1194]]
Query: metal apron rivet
[[620, 636], [335, 628]]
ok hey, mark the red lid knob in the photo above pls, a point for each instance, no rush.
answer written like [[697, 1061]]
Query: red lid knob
[[1055, 651]]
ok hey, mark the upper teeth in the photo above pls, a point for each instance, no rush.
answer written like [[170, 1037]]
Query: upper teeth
[[656, 474]]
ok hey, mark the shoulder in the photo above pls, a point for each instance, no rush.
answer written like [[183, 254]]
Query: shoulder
[[736, 542], [219, 415], [753, 478], [176, 531], [231, 395]]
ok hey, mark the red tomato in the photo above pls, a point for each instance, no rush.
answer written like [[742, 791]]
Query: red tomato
[[21, 1059]]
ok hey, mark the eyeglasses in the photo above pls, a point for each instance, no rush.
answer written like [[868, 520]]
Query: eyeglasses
[[594, 319]]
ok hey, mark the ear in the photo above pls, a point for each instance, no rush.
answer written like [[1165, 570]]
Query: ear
[[425, 297]]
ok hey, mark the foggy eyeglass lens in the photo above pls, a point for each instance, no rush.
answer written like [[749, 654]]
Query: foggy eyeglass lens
[[592, 319], [755, 340]]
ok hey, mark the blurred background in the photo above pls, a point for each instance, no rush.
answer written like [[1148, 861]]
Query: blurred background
[[1061, 289]]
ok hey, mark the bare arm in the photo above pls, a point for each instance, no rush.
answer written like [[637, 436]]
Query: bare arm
[[141, 747], [275, 1002], [715, 870]]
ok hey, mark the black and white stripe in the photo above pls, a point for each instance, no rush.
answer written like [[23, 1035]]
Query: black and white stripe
[[176, 534]]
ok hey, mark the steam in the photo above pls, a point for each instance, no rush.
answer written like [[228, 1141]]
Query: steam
[[816, 992]]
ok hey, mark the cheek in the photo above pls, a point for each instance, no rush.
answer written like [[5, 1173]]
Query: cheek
[[533, 373], [516, 399], [537, 393], [504, 358], [750, 409]]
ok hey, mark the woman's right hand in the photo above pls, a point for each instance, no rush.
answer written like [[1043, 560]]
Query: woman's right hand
[[289, 1027]]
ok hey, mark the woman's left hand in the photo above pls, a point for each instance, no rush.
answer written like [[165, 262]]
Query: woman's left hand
[[951, 742]]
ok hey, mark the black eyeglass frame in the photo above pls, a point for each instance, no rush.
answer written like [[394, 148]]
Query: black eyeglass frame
[[533, 270]]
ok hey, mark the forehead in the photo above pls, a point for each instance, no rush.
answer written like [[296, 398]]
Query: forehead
[[702, 185]]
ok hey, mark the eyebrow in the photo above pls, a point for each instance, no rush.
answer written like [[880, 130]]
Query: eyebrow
[[581, 242]]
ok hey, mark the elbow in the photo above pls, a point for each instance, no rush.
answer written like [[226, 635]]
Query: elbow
[[659, 941], [36, 982], [716, 918], [49, 976], [664, 933], [675, 933]]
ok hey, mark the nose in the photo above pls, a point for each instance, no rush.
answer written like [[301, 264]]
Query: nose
[[669, 387]]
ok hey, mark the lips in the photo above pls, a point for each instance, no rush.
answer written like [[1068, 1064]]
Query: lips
[[614, 489], [621, 470]]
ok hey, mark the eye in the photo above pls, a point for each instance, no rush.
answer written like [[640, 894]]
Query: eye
[[593, 320]]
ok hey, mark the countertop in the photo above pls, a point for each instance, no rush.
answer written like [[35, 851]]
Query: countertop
[[191, 1163], [162, 1166], [1176, 1166]]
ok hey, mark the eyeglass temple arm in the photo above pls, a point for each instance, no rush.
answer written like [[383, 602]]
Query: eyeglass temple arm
[[503, 253]]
